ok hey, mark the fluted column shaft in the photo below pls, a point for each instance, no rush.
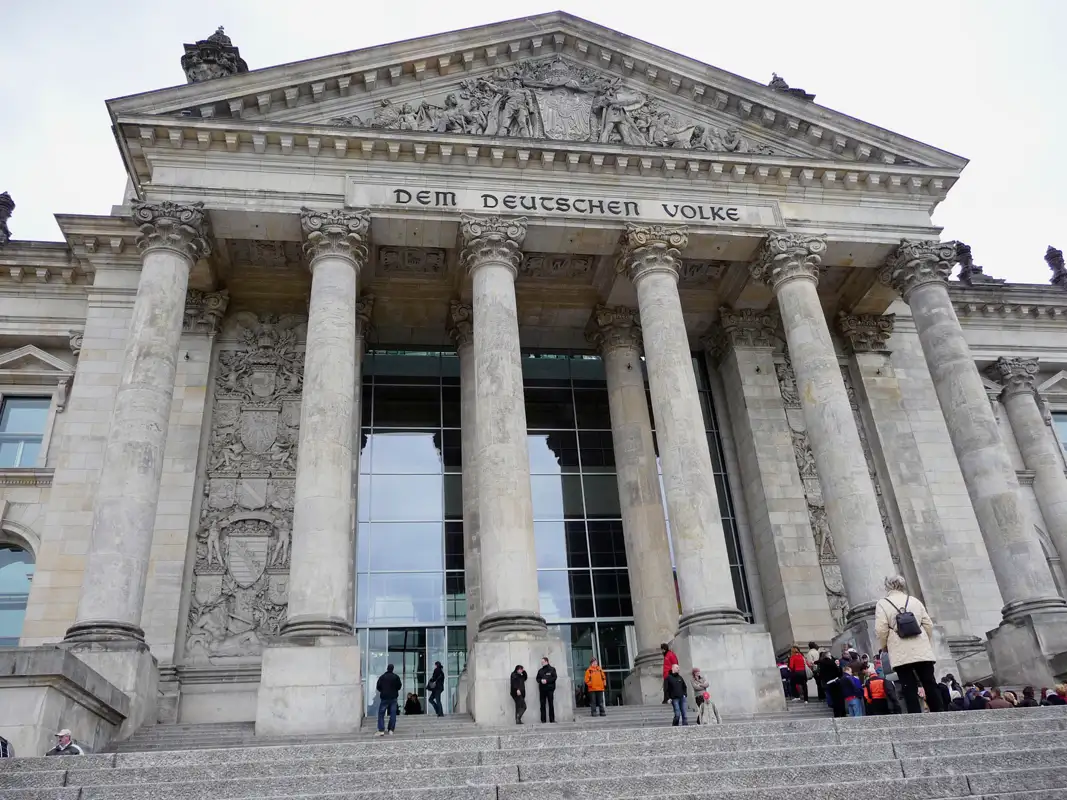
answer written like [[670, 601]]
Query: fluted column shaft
[[789, 263], [320, 575], [651, 256], [920, 271], [172, 238], [617, 334], [492, 252], [1039, 450]]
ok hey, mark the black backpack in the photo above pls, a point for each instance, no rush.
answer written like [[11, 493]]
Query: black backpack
[[908, 626]]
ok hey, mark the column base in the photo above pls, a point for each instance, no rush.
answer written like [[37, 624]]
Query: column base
[[738, 663], [315, 627], [131, 668], [1029, 651], [972, 657], [727, 615], [492, 660], [463, 687], [644, 685], [512, 621], [105, 630], [310, 687], [1024, 608]]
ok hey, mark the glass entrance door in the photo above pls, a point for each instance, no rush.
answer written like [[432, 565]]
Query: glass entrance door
[[411, 651]]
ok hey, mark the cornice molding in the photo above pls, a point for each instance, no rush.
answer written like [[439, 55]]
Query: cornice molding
[[26, 476]]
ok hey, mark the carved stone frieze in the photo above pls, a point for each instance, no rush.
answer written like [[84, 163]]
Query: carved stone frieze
[[204, 311], [213, 57], [460, 323], [784, 256], [652, 248], [336, 232], [172, 226], [787, 384], [612, 327], [1054, 259], [240, 573], [865, 333], [1017, 375], [419, 261], [264, 253], [555, 99], [492, 240], [917, 263], [697, 272], [558, 267]]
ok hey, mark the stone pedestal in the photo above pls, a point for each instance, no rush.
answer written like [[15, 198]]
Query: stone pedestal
[[1029, 651], [493, 658], [132, 669], [644, 685], [738, 662], [463, 688], [310, 686]]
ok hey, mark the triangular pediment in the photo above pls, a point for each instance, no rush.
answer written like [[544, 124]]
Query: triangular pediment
[[552, 76], [33, 360]]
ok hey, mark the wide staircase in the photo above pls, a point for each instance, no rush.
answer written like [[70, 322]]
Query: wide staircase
[[631, 753]]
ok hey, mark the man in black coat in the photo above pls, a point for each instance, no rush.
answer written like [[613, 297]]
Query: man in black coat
[[518, 692], [546, 687], [389, 686], [436, 686]]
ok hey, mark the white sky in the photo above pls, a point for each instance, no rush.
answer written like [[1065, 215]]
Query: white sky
[[983, 78]]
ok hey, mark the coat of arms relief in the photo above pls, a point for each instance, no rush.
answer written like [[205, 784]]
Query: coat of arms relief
[[555, 99], [241, 573]]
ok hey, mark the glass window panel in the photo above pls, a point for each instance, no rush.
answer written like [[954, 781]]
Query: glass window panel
[[406, 498], [597, 451], [545, 370], [587, 370], [454, 545], [549, 408], [741, 590], [405, 451], [591, 407], [405, 598], [366, 403], [601, 496], [613, 651], [581, 647], [404, 367], [362, 598], [612, 590], [607, 546], [565, 595], [717, 465], [25, 414], [453, 450], [723, 491], [457, 650], [10, 454], [560, 545], [363, 537], [553, 452], [453, 496], [407, 406], [455, 597], [16, 570], [1059, 420], [698, 371], [731, 542], [557, 496], [363, 498], [364, 451], [405, 546], [450, 407], [450, 368]]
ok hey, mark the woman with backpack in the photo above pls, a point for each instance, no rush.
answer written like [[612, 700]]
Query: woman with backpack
[[904, 628]]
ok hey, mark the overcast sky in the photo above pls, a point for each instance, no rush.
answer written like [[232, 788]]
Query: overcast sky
[[983, 78]]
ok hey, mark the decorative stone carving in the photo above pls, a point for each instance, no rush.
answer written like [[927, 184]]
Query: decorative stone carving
[[612, 327], [240, 573], [1017, 375], [693, 272], [866, 333], [779, 85], [204, 311], [804, 456], [784, 256], [411, 260], [7, 208], [264, 253], [557, 267], [461, 323], [787, 383], [364, 311], [492, 239], [213, 57], [915, 263], [76, 338], [1054, 259], [182, 228], [1011, 310], [337, 232], [652, 248], [970, 273], [554, 99], [741, 328]]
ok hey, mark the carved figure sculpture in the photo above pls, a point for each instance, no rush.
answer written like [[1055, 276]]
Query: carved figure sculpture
[[615, 107], [280, 552], [214, 553]]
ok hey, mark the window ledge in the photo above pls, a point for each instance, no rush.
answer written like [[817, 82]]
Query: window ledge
[[26, 476]]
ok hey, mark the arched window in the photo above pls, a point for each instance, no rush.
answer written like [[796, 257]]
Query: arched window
[[16, 571]]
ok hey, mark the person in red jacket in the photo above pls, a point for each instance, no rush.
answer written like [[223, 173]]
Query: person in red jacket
[[798, 669], [669, 660]]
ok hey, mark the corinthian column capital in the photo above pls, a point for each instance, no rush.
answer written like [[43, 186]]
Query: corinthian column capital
[[785, 256], [613, 327], [460, 324], [172, 226], [1017, 375], [492, 240], [204, 311], [339, 232], [741, 328], [914, 264], [652, 248], [866, 333]]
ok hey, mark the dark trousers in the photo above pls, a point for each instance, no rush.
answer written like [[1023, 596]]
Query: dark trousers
[[596, 699], [834, 690], [548, 703], [800, 685], [520, 708], [819, 683], [878, 707], [911, 675], [435, 701], [666, 698]]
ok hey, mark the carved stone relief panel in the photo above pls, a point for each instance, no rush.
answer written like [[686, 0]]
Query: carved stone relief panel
[[420, 261], [698, 272], [241, 572], [264, 253], [556, 266]]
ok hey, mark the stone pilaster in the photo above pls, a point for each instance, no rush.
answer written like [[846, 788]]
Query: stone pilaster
[[785, 551], [616, 333], [713, 635], [919, 271], [789, 264], [1036, 442]]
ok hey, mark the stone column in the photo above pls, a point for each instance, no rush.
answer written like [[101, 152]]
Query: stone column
[[789, 264], [461, 330], [737, 658], [311, 679], [511, 629], [1035, 618], [1039, 449], [172, 238], [616, 333]]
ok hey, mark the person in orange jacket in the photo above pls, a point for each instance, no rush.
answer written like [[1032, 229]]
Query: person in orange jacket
[[595, 682]]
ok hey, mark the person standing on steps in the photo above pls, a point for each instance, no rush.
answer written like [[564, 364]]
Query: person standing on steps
[[669, 660], [436, 686], [831, 677], [677, 691], [812, 658], [596, 682], [518, 692], [546, 689], [66, 746], [388, 686], [852, 689], [903, 627], [706, 710], [798, 674]]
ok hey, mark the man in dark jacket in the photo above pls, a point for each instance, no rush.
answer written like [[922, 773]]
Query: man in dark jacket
[[436, 686], [677, 691], [389, 686], [546, 688], [66, 746], [518, 692]]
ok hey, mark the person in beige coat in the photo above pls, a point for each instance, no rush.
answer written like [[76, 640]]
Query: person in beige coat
[[911, 656]]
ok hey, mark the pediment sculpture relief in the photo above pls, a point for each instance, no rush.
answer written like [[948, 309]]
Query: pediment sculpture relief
[[554, 99]]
